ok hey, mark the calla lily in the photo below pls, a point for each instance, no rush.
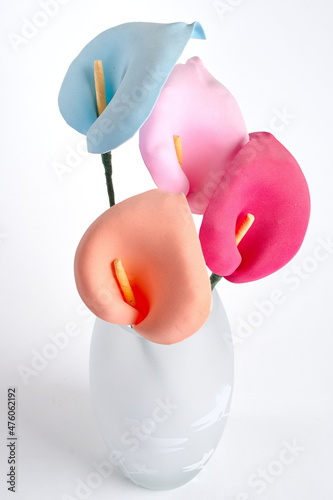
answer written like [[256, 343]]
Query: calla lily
[[265, 180], [154, 235], [137, 58], [201, 111]]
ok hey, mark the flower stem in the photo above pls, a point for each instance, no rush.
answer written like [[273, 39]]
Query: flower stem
[[214, 279], [107, 162]]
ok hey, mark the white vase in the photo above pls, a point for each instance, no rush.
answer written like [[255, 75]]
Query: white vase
[[162, 409]]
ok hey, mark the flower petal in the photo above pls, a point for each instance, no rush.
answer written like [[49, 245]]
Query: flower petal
[[265, 180], [154, 235], [137, 59], [201, 111]]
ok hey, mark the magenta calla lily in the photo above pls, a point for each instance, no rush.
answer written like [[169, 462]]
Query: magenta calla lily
[[201, 111], [265, 180]]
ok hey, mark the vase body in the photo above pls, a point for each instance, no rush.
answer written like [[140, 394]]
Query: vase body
[[162, 409]]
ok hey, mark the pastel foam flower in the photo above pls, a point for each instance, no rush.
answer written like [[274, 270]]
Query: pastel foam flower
[[137, 59], [201, 111], [154, 235], [264, 180]]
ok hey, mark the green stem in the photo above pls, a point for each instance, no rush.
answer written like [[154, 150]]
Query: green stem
[[214, 279], [107, 162]]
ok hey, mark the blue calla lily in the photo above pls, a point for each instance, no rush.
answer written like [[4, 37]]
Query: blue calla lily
[[137, 57]]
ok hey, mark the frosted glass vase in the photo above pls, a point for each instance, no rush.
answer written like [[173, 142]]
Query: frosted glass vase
[[162, 409]]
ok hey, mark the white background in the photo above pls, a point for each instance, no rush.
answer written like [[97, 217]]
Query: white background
[[276, 58]]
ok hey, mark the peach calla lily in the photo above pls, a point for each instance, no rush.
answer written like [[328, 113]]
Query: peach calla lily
[[201, 112], [154, 235], [264, 180]]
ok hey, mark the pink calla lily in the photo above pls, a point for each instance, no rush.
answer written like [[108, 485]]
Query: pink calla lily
[[201, 111], [265, 180], [154, 235]]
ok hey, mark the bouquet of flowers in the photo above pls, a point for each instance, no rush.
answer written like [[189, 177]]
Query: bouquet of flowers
[[142, 262]]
